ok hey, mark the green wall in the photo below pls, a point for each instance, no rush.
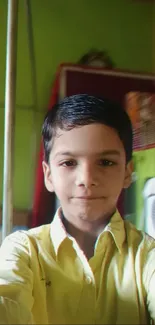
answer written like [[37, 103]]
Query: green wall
[[63, 31], [153, 38]]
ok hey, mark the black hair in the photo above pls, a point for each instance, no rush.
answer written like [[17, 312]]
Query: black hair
[[82, 109]]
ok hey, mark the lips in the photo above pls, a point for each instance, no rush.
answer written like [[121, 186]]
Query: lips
[[88, 198]]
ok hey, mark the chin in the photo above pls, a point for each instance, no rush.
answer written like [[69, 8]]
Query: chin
[[88, 216], [94, 215]]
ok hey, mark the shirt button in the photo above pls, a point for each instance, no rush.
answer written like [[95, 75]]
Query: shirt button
[[88, 279]]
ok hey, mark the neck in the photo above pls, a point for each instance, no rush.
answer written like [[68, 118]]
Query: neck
[[85, 235], [85, 240]]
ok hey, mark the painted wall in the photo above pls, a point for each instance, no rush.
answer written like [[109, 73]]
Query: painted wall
[[63, 32], [153, 37]]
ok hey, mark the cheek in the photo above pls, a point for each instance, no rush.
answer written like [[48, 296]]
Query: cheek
[[61, 180], [113, 178], [114, 173]]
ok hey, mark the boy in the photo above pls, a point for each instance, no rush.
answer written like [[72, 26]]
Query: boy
[[88, 266]]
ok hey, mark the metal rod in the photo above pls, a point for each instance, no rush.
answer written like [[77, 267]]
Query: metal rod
[[10, 92]]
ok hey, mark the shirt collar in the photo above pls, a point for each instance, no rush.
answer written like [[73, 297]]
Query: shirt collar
[[58, 232], [115, 227]]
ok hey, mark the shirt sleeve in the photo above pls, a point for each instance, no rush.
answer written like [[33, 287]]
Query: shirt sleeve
[[149, 282], [16, 280]]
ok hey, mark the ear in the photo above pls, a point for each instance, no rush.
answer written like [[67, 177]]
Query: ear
[[128, 174], [47, 177]]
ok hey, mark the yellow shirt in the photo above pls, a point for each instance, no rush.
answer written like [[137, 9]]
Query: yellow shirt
[[46, 279]]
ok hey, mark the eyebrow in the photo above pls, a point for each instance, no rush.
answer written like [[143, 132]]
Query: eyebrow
[[103, 153]]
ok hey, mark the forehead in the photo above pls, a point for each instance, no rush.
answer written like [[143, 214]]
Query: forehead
[[87, 140]]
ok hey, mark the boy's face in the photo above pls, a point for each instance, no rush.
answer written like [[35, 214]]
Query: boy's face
[[87, 171]]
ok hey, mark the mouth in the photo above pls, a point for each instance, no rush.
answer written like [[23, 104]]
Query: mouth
[[88, 198]]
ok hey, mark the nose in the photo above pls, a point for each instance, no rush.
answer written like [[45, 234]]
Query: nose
[[86, 176]]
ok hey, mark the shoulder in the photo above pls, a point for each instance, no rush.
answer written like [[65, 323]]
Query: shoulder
[[138, 238], [24, 241], [39, 233]]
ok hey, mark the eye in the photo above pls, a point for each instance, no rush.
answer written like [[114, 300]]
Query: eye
[[106, 163], [68, 163]]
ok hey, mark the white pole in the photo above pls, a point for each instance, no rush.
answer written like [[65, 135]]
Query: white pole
[[10, 92]]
